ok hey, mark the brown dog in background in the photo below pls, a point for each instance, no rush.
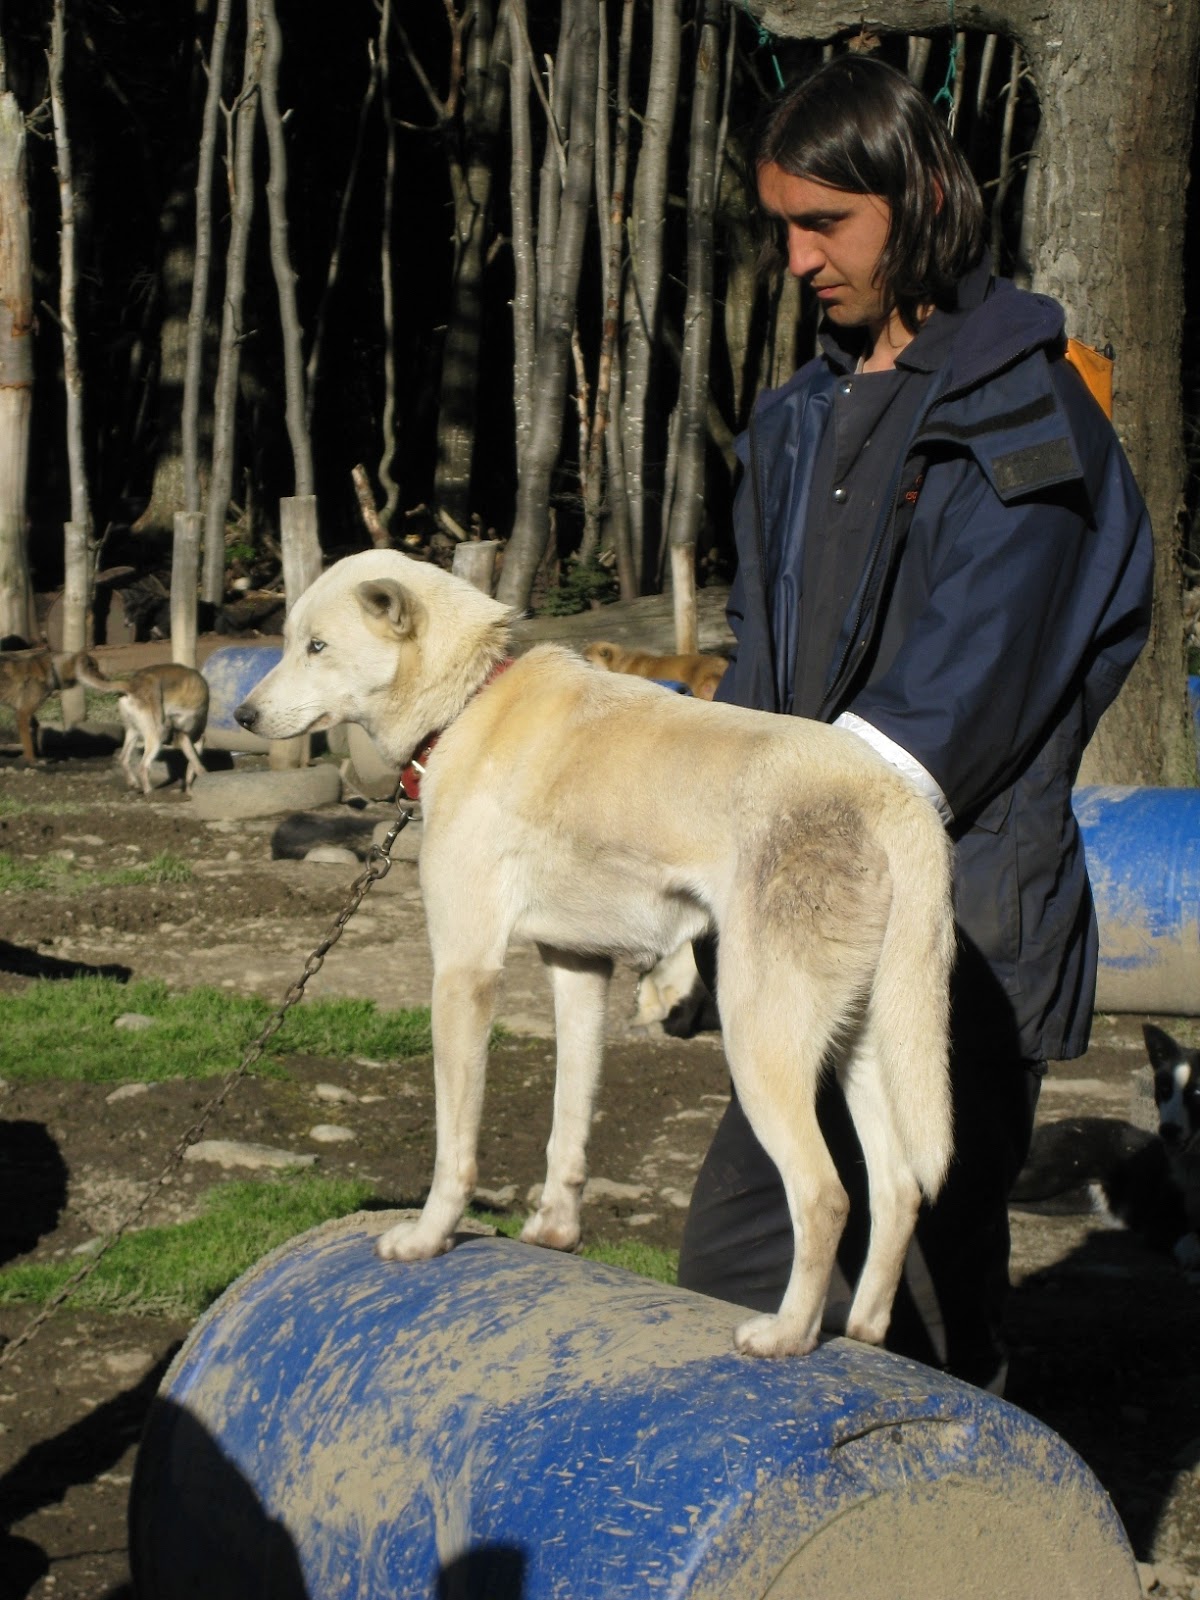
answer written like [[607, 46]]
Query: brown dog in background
[[702, 674], [27, 680], [158, 704]]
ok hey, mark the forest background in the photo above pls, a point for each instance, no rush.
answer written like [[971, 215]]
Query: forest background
[[439, 272]]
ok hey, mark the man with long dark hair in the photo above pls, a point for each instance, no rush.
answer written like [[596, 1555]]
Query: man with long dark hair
[[940, 548]]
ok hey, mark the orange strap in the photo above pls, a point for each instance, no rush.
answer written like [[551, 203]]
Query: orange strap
[[1095, 367]]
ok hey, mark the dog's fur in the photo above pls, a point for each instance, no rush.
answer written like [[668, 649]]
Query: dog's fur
[[158, 705], [606, 819], [27, 680], [1145, 1180], [702, 674]]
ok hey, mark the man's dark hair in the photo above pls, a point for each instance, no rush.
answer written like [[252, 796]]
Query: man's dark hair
[[858, 124]]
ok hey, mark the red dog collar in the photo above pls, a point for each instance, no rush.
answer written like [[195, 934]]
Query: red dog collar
[[414, 770]]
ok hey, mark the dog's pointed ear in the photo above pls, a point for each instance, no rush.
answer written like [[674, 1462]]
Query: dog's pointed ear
[[390, 605]]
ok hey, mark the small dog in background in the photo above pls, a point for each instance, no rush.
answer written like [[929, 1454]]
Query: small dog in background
[[702, 674], [1147, 1181], [158, 705], [28, 677]]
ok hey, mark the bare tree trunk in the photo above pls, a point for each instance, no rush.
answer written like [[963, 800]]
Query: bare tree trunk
[[483, 108], [521, 209], [78, 557], [687, 502], [610, 201], [387, 445], [1104, 227], [531, 529], [16, 372], [241, 123], [313, 366], [644, 287], [281, 263]]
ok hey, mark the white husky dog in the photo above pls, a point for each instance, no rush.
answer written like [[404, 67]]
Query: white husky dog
[[608, 819]]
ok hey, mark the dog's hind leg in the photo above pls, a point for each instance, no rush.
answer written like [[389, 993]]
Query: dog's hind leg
[[195, 767], [776, 1037], [893, 1191], [580, 996], [463, 1002]]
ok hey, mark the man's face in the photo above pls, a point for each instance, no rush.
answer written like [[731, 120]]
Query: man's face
[[834, 242]]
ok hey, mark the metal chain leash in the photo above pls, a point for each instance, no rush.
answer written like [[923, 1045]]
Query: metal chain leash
[[378, 863]]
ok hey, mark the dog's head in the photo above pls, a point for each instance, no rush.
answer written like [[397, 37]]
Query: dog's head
[[393, 644], [601, 654], [1176, 1071]]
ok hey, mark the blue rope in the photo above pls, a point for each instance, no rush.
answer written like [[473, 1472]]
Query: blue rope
[[946, 92], [765, 41]]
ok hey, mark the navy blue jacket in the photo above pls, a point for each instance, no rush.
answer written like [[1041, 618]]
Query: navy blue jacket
[[1005, 598]]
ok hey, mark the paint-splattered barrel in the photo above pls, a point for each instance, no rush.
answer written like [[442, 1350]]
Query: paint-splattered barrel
[[1143, 858], [509, 1423], [232, 671]]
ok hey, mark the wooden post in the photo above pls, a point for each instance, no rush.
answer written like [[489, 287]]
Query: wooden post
[[475, 560], [185, 558], [683, 593], [301, 566]]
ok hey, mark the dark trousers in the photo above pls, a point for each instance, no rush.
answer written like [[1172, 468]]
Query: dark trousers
[[738, 1242]]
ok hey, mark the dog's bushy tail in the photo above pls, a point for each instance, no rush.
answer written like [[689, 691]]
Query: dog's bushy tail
[[911, 998], [89, 674]]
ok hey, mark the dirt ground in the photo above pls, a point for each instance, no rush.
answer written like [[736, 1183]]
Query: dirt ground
[[1103, 1333]]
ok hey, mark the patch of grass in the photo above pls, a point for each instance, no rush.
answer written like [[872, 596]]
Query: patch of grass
[[64, 1029], [180, 1270], [62, 876], [634, 1255]]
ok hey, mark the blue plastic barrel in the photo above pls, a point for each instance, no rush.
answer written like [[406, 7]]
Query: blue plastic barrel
[[506, 1422], [1143, 857], [231, 671]]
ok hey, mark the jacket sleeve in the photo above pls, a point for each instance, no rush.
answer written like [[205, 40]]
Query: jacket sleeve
[[1016, 610]]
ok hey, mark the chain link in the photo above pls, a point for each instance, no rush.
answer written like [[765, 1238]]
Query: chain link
[[378, 863]]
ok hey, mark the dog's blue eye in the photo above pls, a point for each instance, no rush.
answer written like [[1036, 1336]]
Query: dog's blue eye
[[315, 646]]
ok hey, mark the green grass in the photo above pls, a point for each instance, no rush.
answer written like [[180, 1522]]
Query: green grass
[[62, 876], [180, 1270], [65, 1030], [634, 1255]]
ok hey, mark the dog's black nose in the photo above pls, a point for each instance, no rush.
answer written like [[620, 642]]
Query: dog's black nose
[[246, 715]]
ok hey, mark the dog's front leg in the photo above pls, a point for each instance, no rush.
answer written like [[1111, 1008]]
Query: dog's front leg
[[463, 1001], [580, 1002]]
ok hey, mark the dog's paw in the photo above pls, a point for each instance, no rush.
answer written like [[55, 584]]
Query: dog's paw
[[772, 1336], [408, 1241], [551, 1233]]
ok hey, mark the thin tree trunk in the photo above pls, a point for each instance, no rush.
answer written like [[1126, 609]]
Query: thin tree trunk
[[295, 411], [313, 367], [78, 556], [241, 123], [483, 108], [16, 372], [524, 301], [531, 529], [610, 201], [643, 291], [387, 448], [202, 260], [687, 505]]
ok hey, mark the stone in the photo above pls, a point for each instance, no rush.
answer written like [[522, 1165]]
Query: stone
[[133, 1022], [335, 1094], [331, 1133], [223, 796], [230, 1153]]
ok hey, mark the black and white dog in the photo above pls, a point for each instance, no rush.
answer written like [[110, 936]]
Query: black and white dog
[[1147, 1181]]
